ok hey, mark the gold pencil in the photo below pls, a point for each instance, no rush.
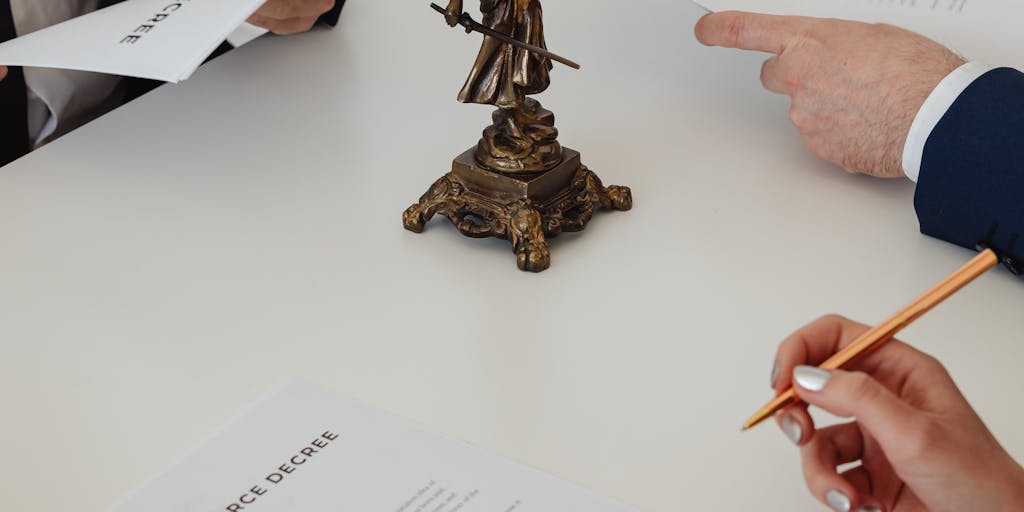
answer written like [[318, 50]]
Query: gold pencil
[[878, 336]]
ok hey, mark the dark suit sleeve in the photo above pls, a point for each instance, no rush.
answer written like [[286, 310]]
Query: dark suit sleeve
[[971, 187], [331, 17]]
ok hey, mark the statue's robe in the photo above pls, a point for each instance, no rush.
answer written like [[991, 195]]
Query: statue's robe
[[504, 75]]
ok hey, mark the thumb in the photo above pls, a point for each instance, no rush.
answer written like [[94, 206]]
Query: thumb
[[878, 410]]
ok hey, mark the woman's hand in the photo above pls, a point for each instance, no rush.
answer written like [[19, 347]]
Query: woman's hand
[[919, 443]]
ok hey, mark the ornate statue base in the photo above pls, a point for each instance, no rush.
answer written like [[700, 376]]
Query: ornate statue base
[[524, 208]]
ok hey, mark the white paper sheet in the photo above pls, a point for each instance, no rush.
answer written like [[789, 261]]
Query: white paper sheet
[[159, 39], [304, 449], [985, 30]]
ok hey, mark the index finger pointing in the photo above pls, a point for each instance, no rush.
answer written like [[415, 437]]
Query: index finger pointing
[[748, 31]]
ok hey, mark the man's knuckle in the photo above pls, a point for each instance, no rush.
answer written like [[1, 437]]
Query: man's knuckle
[[793, 83], [798, 117], [813, 144], [789, 72], [822, 151], [765, 69]]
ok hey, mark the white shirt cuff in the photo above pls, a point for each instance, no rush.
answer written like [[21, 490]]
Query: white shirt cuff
[[938, 102]]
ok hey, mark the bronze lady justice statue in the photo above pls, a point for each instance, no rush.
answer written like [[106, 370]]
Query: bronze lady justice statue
[[523, 136], [518, 183]]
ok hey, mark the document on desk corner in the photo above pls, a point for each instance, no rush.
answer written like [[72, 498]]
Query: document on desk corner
[[302, 448], [158, 39], [985, 30]]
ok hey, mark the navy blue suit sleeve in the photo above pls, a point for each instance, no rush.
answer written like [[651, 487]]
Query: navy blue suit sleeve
[[971, 187], [331, 17]]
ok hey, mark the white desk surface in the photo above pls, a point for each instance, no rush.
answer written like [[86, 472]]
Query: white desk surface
[[163, 266]]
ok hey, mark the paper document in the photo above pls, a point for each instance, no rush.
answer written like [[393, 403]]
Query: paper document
[[303, 449], [984, 30], [158, 39]]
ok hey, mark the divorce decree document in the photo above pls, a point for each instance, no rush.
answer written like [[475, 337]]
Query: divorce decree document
[[302, 448]]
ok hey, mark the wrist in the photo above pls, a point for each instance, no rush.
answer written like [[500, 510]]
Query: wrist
[[931, 110]]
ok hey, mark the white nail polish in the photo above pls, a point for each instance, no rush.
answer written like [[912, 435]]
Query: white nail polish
[[791, 428], [838, 501], [811, 378], [775, 372]]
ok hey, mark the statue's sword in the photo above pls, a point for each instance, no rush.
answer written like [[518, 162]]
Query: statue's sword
[[472, 26]]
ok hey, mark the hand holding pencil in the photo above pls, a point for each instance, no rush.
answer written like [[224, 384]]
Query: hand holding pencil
[[920, 444], [877, 336]]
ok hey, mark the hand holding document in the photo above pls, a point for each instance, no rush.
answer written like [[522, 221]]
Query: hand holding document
[[986, 30], [158, 39], [304, 449]]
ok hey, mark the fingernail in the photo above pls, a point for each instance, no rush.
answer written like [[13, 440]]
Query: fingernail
[[810, 377], [838, 501], [791, 428], [869, 508], [775, 372]]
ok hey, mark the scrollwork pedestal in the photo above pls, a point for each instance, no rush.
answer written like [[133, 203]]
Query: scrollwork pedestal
[[525, 209]]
